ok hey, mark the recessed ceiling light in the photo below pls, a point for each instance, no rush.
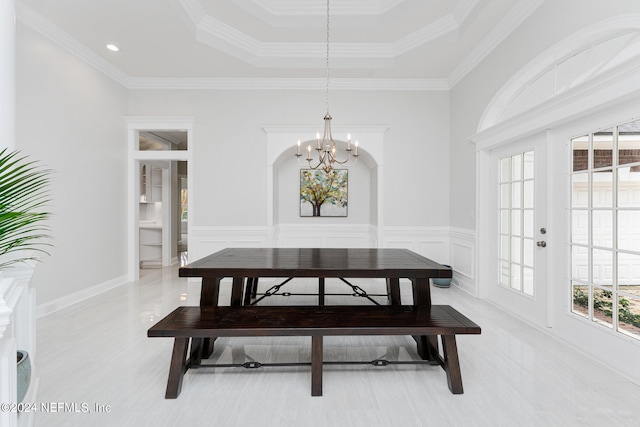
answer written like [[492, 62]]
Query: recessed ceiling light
[[113, 47]]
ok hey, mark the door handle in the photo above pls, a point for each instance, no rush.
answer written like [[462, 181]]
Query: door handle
[[542, 244]]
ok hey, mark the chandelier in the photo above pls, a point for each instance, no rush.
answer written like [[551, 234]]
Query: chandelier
[[326, 147]]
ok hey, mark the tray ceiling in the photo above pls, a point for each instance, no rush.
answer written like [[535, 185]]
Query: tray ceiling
[[204, 39]]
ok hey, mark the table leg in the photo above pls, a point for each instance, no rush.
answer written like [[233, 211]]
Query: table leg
[[251, 290], [236, 291], [208, 298], [427, 344], [393, 290], [210, 291], [321, 291], [197, 346]]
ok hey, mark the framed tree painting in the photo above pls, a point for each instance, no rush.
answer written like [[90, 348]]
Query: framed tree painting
[[323, 193]]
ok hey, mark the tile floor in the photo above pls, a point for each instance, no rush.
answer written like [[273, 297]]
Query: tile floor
[[97, 353]]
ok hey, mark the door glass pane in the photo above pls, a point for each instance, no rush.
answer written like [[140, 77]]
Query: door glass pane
[[527, 280], [603, 149], [628, 271], [516, 198], [505, 191], [580, 226], [516, 167], [580, 153], [515, 277], [629, 230], [580, 263], [527, 194], [580, 190], [602, 192], [602, 307], [629, 315], [528, 223], [602, 267], [580, 304], [629, 187], [504, 221], [515, 249], [527, 247], [603, 228], [504, 273], [516, 222], [504, 247]]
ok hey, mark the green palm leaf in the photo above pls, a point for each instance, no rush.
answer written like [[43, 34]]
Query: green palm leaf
[[24, 194]]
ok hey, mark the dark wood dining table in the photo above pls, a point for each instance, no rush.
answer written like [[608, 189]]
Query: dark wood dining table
[[245, 265]]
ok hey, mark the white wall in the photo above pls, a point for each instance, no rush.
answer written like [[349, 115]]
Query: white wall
[[230, 150], [71, 117]]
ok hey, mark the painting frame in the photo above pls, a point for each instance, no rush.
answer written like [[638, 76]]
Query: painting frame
[[324, 194]]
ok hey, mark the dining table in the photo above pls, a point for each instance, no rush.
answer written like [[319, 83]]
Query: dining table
[[245, 266]]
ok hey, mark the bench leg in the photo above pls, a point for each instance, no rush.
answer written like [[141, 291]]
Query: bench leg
[[316, 365], [177, 368], [452, 364]]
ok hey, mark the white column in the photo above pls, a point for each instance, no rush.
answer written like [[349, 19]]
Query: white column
[[7, 74]]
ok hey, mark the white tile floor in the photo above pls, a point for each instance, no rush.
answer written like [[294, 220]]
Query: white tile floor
[[97, 352]]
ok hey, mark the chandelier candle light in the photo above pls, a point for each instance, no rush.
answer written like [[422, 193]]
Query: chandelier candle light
[[326, 147]]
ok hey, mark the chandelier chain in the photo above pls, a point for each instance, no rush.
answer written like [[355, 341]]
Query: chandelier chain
[[327, 92]]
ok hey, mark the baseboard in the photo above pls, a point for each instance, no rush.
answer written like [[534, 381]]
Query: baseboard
[[76, 297]]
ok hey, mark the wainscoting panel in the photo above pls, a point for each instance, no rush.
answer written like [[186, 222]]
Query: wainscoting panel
[[207, 240], [431, 242], [325, 236], [463, 243]]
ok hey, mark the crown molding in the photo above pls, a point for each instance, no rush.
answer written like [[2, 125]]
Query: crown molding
[[219, 35], [297, 8], [518, 14], [37, 22]]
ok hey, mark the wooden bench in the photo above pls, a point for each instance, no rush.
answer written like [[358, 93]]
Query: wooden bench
[[193, 324]]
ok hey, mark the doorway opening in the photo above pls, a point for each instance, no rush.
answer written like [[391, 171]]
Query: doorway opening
[[162, 199]]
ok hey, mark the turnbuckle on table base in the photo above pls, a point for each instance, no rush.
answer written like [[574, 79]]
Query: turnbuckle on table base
[[375, 362]]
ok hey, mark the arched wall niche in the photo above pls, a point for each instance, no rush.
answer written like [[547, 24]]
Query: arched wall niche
[[363, 225], [587, 66]]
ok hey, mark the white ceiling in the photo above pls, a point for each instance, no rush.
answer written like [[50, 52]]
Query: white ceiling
[[429, 40]]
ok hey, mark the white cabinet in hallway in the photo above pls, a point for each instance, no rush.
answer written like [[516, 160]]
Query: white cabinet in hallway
[[150, 225]]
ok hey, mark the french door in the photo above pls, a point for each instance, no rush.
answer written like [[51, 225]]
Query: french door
[[518, 271]]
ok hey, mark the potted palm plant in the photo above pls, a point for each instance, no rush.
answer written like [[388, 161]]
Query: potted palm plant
[[24, 194]]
